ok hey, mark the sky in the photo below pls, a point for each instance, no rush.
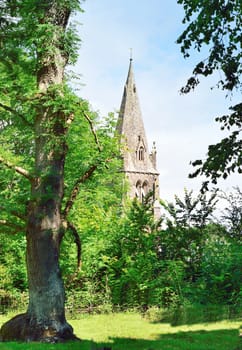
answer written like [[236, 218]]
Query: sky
[[181, 125]]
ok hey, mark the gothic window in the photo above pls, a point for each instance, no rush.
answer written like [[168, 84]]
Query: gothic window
[[138, 190], [142, 195], [140, 150], [141, 153], [144, 190], [145, 187]]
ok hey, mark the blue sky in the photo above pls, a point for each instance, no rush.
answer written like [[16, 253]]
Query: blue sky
[[182, 126]]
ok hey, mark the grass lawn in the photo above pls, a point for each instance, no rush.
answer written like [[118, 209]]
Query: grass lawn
[[129, 331]]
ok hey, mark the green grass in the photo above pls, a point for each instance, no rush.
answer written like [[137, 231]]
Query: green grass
[[129, 331]]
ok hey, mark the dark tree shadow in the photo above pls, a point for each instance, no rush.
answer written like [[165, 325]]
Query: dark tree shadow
[[198, 340], [202, 314]]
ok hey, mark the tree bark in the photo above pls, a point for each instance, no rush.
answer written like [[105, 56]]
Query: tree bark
[[45, 317]]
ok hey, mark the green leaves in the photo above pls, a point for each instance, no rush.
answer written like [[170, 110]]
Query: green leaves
[[191, 211], [232, 214], [216, 24], [225, 157]]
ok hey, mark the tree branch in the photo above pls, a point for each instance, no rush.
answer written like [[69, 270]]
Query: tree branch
[[93, 131], [12, 225], [77, 240], [18, 169], [14, 213], [76, 188], [87, 175], [11, 110]]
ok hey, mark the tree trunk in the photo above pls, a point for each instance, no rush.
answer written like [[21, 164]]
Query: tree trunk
[[45, 318]]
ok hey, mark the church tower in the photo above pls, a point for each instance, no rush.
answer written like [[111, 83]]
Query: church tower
[[139, 165]]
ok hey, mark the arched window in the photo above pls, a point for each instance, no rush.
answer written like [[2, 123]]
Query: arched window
[[138, 190], [141, 153], [144, 189]]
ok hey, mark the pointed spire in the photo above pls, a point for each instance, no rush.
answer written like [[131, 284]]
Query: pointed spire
[[130, 121], [130, 82]]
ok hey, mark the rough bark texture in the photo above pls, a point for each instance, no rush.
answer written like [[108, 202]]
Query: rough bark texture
[[45, 318]]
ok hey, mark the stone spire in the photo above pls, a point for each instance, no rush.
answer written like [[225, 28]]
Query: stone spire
[[130, 122], [138, 165]]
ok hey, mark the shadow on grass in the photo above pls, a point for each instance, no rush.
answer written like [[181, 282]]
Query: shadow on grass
[[198, 340], [188, 315]]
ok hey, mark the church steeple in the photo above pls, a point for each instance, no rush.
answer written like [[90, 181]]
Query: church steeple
[[138, 165], [130, 121]]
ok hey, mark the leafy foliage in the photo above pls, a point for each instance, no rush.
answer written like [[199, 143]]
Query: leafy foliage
[[232, 214], [220, 280], [191, 211], [225, 157], [185, 236], [128, 261], [134, 277], [217, 26]]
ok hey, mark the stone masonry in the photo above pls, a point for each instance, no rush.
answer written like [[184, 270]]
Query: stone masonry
[[139, 165]]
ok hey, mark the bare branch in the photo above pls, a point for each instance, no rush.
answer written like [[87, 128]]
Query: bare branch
[[76, 189], [18, 169], [77, 240], [13, 111], [93, 131]]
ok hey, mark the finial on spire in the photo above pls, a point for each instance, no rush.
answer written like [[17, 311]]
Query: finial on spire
[[131, 54]]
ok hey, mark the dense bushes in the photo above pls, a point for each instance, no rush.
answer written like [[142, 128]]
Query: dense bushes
[[129, 261]]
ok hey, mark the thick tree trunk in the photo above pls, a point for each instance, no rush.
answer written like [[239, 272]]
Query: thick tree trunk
[[45, 318]]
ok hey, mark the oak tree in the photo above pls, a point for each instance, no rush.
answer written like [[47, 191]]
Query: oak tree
[[37, 110]]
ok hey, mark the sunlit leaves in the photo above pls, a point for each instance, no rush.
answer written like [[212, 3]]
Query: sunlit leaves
[[192, 210]]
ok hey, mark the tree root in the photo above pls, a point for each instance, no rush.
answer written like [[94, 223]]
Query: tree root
[[23, 328]]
